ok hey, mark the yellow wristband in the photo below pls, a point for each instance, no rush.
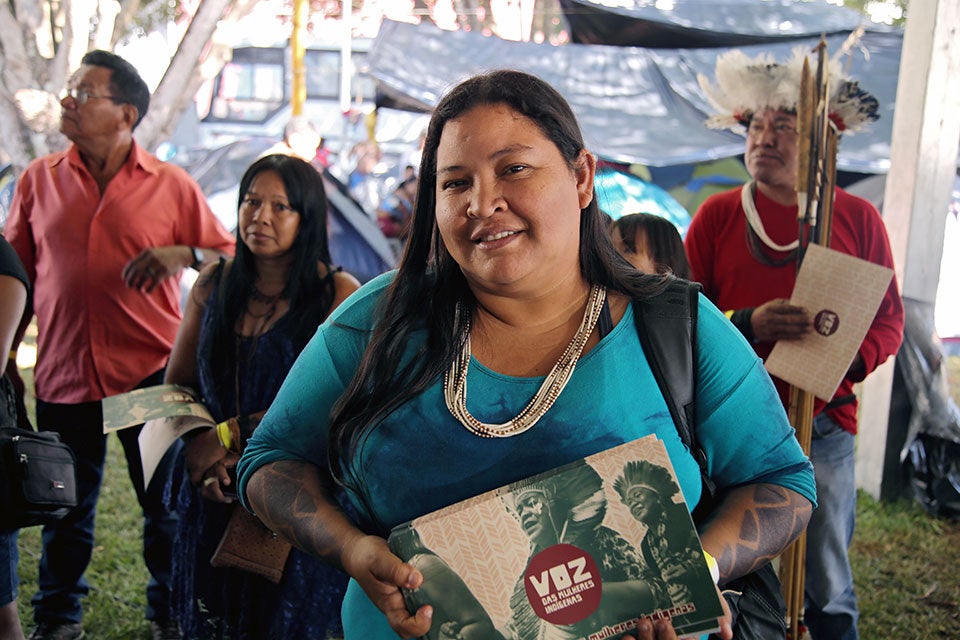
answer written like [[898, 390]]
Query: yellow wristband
[[729, 314], [13, 354], [223, 435], [713, 566]]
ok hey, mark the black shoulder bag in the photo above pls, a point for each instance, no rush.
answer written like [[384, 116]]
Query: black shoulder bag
[[38, 482], [667, 325]]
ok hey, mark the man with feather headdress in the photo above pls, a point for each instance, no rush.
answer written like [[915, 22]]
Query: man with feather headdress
[[742, 247]]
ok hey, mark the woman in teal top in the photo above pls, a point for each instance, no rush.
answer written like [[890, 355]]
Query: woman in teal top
[[416, 393]]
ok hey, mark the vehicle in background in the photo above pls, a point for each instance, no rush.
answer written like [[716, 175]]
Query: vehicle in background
[[251, 97]]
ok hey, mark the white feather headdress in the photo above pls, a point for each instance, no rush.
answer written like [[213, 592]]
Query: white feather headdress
[[746, 85]]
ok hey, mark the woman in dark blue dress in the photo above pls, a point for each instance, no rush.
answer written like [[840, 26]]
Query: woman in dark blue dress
[[244, 324]]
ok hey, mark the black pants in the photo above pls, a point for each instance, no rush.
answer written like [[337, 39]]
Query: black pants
[[68, 544]]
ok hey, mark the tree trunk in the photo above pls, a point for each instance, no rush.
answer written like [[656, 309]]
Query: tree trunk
[[170, 98], [198, 58], [17, 77], [39, 55], [124, 20]]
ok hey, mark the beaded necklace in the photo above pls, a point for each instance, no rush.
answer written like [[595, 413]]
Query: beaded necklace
[[455, 380]]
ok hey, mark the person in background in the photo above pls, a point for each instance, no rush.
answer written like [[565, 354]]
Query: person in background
[[323, 157], [511, 288], [395, 211], [363, 183], [650, 243], [300, 139], [244, 324], [104, 229], [742, 246], [14, 292]]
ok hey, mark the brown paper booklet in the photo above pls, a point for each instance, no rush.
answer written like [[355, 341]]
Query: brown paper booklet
[[561, 554], [842, 294]]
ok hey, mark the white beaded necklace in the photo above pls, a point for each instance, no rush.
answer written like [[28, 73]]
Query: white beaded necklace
[[753, 218], [455, 380]]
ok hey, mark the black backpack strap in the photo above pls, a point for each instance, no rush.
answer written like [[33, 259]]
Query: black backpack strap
[[667, 326]]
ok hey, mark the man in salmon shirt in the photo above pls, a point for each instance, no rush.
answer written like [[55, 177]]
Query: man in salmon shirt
[[104, 229], [742, 247]]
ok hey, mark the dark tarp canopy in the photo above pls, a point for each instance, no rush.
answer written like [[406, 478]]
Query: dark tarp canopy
[[635, 105], [695, 23]]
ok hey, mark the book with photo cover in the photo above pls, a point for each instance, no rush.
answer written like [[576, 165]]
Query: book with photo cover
[[579, 552]]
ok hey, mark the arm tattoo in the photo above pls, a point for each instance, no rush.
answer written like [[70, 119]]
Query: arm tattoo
[[292, 499], [772, 518]]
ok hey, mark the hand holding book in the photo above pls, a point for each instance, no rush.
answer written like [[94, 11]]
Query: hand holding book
[[219, 480], [594, 549], [384, 578]]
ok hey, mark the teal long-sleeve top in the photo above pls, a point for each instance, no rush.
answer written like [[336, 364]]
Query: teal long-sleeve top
[[420, 458]]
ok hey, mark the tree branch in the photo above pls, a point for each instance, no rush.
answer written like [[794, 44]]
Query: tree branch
[[183, 77]]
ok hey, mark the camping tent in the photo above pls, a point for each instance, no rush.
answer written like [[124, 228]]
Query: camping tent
[[356, 244]]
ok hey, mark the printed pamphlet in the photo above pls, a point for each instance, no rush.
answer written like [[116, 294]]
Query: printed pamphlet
[[580, 552], [166, 412], [842, 293]]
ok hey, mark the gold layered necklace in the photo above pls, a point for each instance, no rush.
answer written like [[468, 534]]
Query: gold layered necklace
[[455, 380]]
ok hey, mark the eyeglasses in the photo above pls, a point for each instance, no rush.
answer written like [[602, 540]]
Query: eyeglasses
[[757, 128], [82, 95]]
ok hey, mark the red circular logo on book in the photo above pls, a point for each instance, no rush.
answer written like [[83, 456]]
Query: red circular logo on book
[[563, 584], [826, 322]]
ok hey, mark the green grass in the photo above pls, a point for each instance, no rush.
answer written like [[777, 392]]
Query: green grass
[[905, 563], [905, 567]]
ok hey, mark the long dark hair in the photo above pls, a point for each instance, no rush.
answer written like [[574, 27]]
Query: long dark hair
[[429, 284], [663, 242], [310, 295]]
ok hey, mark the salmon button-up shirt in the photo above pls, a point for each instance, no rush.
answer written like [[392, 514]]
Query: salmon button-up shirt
[[96, 336]]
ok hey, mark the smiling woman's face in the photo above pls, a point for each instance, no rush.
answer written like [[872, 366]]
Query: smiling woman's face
[[508, 203]]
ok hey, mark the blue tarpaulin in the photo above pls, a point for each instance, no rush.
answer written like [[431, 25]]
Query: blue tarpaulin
[[635, 105], [694, 23]]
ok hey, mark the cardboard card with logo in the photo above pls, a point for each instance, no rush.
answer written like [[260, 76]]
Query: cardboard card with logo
[[582, 551], [842, 294]]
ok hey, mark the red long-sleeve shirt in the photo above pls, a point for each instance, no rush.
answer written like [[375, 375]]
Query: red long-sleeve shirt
[[720, 260]]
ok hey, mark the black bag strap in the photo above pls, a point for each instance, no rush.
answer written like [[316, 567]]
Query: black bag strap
[[667, 326]]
